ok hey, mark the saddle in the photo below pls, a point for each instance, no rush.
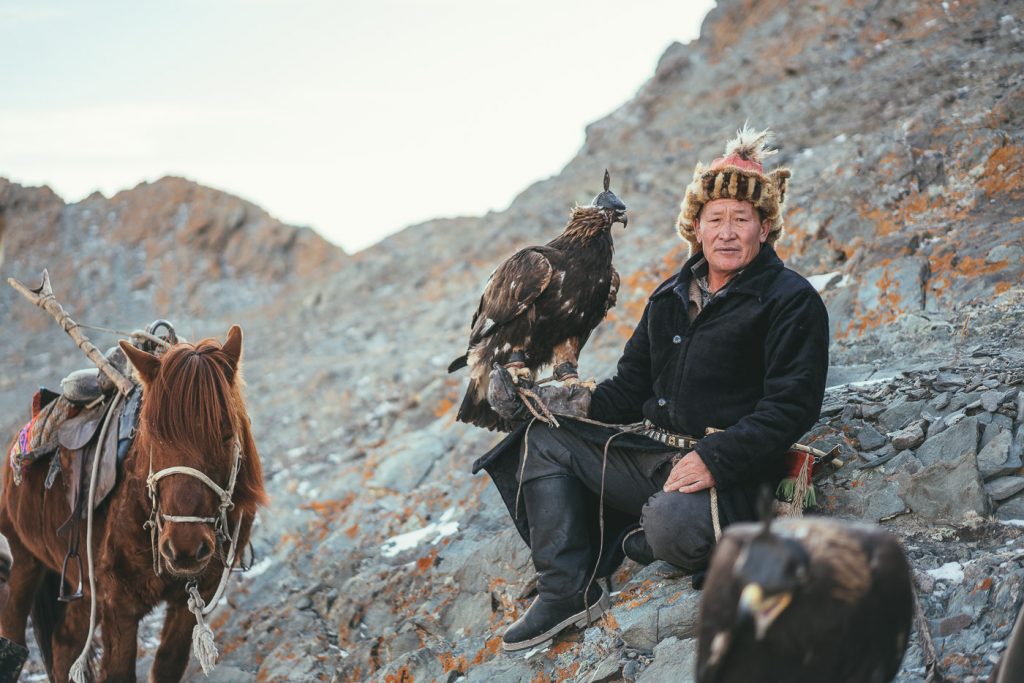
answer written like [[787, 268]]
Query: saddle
[[59, 422]]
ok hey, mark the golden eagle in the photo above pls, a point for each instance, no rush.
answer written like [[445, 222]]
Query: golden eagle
[[540, 306], [805, 600]]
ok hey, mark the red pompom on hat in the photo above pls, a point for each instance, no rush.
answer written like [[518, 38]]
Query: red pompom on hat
[[739, 174]]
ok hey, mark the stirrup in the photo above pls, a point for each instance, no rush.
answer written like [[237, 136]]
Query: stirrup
[[62, 596]]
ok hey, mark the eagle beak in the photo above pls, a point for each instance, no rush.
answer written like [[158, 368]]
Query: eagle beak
[[764, 611], [620, 217]]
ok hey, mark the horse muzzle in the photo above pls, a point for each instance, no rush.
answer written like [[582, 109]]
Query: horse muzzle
[[187, 553]]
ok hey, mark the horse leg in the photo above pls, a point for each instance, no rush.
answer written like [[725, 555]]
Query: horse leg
[[69, 638], [26, 573], [175, 643], [119, 633]]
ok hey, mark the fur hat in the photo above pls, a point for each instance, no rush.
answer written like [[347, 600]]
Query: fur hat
[[737, 175]]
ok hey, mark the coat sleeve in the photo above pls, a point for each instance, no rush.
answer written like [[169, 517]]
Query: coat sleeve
[[620, 398], [796, 364]]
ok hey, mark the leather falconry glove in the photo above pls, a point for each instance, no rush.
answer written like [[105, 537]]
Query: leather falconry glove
[[502, 394]]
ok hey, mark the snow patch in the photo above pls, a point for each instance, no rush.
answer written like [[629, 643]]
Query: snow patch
[[870, 382], [260, 567], [435, 531], [951, 571], [820, 282], [1012, 522]]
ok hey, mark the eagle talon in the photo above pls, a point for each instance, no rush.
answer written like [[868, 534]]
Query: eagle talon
[[575, 381], [519, 372]]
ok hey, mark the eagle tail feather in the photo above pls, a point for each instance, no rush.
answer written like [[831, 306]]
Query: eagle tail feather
[[476, 412]]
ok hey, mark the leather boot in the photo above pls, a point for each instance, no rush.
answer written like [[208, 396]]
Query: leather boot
[[636, 547], [560, 545]]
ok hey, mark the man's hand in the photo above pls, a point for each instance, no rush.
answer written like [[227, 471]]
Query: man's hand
[[689, 475]]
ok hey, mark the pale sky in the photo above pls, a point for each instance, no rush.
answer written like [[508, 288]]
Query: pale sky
[[354, 118]]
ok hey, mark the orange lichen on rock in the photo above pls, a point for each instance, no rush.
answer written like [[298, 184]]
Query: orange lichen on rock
[[914, 208], [1004, 172], [635, 287], [327, 513], [947, 267], [888, 309], [452, 663], [567, 673], [490, 649], [403, 675], [426, 562]]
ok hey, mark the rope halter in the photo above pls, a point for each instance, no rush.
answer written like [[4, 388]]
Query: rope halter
[[203, 645], [220, 521]]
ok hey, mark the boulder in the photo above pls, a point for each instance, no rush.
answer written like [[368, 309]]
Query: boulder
[[674, 660], [899, 414], [909, 437], [1004, 487], [995, 459], [954, 443], [869, 438], [945, 491]]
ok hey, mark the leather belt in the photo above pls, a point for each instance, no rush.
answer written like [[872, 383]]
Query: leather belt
[[666, 437]]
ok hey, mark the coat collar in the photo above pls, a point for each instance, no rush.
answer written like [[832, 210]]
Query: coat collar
[[754, 279]]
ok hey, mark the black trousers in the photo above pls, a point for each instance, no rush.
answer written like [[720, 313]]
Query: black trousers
[[678, 525]]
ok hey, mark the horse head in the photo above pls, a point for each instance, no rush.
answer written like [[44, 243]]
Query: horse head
[[194, 434]]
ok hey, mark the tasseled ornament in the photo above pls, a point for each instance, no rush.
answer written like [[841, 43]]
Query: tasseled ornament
[[203, 646], [81, 670], [797, 485]]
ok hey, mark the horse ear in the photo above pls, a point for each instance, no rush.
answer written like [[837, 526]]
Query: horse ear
[[232, 347], [147, 365]]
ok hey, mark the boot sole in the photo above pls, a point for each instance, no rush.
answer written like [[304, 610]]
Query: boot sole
[[579, 620]]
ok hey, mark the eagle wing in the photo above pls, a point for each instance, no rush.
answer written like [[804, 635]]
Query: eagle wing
[[510, 291]]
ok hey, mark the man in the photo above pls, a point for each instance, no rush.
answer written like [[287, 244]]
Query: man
[[733, 342]]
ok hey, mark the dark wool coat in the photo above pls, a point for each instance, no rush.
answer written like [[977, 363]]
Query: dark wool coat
[[753, 363]]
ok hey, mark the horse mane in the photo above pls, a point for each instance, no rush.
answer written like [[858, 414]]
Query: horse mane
[[194, 400]]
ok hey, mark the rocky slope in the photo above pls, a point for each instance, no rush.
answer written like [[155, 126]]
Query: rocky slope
[[381, 558]]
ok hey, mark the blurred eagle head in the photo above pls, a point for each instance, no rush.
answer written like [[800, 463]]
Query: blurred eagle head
[[771, 569]]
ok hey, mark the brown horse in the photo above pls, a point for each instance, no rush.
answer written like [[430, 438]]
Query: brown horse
[[193, 416]]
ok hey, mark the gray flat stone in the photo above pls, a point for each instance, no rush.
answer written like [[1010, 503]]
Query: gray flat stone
[[674, 660], [994, 459], [905, 461], [954, 418], [952, 444], [606, 670], [910, 436], [639, 626], [869, 438], [899, 414], [991, 400], [883, 502], [946, 381], [1011, 509], [945, 491], [870, 411], [679, 619], [1004, 487], [997, 423]]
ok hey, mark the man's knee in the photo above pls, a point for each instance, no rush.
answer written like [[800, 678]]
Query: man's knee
[[678, 528], [545, 454]]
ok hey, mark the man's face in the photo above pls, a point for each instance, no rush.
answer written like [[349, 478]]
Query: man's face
[[731, 234]]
